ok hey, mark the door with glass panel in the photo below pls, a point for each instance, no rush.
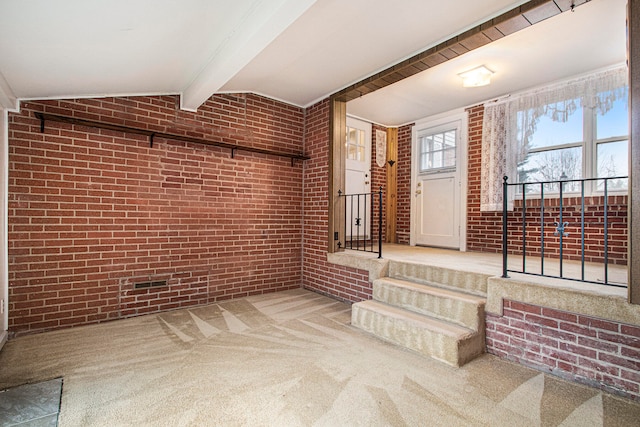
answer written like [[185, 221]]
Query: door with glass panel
[[358, 179], [436, 186]]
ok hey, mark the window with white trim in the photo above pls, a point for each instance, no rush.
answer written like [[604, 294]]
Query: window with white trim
[[438, 151], [574, 139], [578, 125]]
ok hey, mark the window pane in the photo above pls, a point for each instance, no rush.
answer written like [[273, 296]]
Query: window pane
[[355, 144], [612, 161], [615, 121], [559, 123], [437, 141], [438, 150], [450, 139], [449, 157], [352, 152], [552, 165], [351, 136]]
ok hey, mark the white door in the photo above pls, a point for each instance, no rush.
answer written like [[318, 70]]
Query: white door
[[436, 185], [358, 179]]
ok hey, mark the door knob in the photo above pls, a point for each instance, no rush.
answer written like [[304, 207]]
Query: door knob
[[366, 182], [418, 192]]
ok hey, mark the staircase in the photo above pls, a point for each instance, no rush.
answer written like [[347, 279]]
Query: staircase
[[435, 311]]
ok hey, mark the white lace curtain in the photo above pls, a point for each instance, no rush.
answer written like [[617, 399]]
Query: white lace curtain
[[501, 147]]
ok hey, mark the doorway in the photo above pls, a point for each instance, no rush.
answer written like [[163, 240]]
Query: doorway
[[438, 206], [358, 179]]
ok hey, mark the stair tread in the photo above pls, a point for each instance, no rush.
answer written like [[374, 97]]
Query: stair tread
[[466, 281], [435, 289], [429, 323]]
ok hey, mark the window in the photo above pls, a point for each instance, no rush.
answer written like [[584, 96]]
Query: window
[[571, 139], [438, 151], [577, 128], [355, 144]]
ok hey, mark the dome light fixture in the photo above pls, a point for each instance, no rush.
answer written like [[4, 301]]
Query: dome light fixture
[[476, 77]]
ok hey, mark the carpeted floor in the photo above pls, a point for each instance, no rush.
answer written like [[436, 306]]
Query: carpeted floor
[[285, 359]]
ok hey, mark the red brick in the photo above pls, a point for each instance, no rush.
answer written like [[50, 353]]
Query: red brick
[[550, 323], [101, 216], [599, 367], [620, 361], [633, 331], [559, 315], [578, 350], [621, 339], [593, 323]]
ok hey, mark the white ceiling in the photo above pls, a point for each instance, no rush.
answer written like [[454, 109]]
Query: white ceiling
[[297, 51], [572, 43]]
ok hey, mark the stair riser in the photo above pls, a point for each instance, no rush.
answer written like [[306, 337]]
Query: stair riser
[[462, 313], [470, 282], [403, 333]]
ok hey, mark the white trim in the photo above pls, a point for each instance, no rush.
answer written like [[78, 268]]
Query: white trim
[[264, 95], [461, 116], [97, 96], [4, 242], [7, 99]]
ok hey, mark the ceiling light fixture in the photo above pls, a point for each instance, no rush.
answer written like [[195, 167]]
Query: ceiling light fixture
[[479, 76]]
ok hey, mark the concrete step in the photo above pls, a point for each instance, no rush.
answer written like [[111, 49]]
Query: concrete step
[[432, 300], [443, 341], [473, 283]]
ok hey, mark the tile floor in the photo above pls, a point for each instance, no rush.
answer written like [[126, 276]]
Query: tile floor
[[32, 405]]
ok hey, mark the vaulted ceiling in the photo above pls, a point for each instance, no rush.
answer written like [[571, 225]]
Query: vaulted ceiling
[[297, 51]]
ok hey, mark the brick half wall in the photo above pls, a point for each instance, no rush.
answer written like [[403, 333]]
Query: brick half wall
[[592, 351]]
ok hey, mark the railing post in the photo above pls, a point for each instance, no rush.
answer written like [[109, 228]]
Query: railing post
[[504, 226], [561, 222], [380, 223], [606, 231]]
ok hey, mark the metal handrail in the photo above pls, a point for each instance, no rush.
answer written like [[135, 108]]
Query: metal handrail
[[356, 204], [560, 228]]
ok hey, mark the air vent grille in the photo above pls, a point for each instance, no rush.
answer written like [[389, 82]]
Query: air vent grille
[[154, 284]]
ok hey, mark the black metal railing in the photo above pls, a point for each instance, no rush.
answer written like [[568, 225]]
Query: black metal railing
[[359, 212], [528, 244]]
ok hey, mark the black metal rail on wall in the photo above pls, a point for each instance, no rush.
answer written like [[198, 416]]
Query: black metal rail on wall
[[561, 226], [359, 230]]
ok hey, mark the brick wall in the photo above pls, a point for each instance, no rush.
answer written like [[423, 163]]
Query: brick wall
[[484, 229], [348, 284], [91, 212], [592, 351], [403, 225]]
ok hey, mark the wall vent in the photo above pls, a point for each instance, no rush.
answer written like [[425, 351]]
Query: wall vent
[[155, 284]]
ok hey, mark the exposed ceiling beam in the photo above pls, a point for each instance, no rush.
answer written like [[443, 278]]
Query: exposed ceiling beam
[[264, 21], [509, 22]]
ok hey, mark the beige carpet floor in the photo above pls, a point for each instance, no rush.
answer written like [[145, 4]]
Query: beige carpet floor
[[285, 359]]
